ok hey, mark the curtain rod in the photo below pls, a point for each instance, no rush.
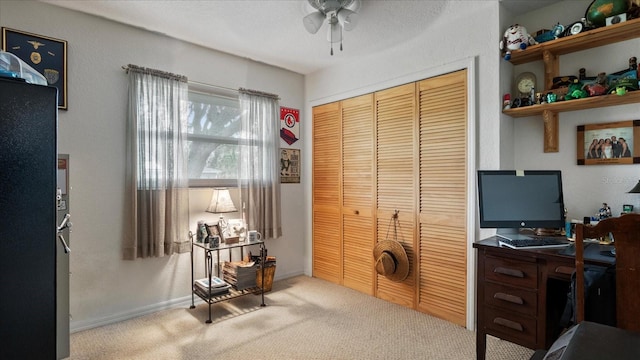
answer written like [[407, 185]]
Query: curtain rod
[[258, 93], [184, 78], [164, 74]]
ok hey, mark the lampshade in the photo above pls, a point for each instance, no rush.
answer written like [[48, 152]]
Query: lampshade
[[313, 22], [636, 189], [221, 202], [348, 19]]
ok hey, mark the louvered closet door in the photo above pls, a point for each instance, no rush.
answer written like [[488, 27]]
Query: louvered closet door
[[395, 188], [327, 256], [358, 236], [443, 196]]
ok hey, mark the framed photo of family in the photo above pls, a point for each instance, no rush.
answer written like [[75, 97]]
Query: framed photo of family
[[609, 143]]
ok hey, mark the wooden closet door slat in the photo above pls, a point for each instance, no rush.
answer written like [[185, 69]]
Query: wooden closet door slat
[[358, 236], [327, 244], [443, 196], [395, 111]]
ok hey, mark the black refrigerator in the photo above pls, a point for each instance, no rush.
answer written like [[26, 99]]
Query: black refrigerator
[[34, 264]]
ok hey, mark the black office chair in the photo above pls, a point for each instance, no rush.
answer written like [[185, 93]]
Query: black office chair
[[626, 234]]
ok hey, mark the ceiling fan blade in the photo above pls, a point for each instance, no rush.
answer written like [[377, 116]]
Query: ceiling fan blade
[[313, 22]]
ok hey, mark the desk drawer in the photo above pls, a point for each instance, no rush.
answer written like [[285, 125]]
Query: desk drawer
[[561, 269], [511, 299], [512, 272], [517, 328]]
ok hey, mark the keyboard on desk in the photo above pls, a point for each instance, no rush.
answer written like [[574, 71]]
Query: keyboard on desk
[[534, 242]]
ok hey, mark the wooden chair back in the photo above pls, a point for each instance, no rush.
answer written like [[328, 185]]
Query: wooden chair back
[[626, 235]]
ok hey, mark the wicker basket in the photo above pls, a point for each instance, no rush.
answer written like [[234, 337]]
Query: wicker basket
[[269, 272]]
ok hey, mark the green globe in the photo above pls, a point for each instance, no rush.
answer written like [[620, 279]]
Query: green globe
[[600, 10]]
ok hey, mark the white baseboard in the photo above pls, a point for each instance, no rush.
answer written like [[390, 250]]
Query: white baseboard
[[81, 325], [183, 302]]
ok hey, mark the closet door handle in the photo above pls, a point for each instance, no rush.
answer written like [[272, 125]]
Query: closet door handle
[[510, 298], [509, 272], [508, 323]]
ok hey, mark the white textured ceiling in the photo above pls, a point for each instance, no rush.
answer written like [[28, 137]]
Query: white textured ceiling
[[272, 32]]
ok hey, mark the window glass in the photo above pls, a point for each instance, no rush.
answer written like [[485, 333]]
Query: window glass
[[213, 134]]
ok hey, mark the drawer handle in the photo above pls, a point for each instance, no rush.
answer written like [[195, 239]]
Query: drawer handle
[[508, 323], [565, 270], [510, 298], [356, 212], [509, 272]]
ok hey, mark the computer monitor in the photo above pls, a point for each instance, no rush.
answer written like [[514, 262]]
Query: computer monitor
[[510, 200]]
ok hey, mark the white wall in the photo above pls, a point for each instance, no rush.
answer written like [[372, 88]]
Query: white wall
[[104, 288]]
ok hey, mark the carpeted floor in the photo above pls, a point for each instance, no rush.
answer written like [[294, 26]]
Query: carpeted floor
[[305, 318]]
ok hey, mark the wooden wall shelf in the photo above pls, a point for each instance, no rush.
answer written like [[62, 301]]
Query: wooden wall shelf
[[577, 104], [587, 40], [549, 52]]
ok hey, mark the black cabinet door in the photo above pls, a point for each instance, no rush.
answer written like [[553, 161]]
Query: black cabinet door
[[28, 166]]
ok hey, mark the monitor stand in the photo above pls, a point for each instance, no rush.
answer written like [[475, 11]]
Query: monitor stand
[[548, 232], [512, 234]]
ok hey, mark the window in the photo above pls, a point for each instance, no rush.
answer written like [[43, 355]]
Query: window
[[213, 139]]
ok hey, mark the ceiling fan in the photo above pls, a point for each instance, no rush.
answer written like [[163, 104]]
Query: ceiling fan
[[339, 14]]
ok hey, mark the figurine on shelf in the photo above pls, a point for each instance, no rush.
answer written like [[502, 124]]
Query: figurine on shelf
[[604, 212], [599, 86], [575, 91], [515, 38], [506, 102], [558, 31]]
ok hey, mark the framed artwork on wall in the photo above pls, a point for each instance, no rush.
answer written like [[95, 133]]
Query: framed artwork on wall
[[46, 55], [290, 166], [609, 143]]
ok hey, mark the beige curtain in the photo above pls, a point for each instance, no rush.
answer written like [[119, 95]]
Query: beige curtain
[[156, 175], [259, 179]]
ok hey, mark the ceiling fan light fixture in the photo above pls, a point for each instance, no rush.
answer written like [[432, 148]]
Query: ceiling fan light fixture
[[339, 14], [348, 19], [313, 22]]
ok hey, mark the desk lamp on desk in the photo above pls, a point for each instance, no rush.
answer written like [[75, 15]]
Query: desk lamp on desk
[[516, 200]]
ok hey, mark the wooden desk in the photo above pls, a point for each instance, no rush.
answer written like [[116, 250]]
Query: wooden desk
[[521, 294]]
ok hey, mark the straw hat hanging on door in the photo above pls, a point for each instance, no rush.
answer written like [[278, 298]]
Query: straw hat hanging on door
[[390, 257]]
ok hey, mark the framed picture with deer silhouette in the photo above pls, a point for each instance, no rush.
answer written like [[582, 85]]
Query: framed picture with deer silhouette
[[46, 55]]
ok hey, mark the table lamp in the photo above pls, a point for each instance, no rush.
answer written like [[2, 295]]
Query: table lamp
[[636, 189], [629, 208], [221, 203]]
